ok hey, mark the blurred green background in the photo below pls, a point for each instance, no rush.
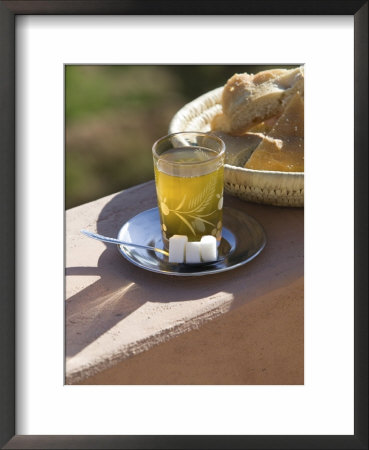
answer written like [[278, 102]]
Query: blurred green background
[[114, 113]]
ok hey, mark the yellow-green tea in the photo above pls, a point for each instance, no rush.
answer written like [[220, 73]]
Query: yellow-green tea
[[190, 194]]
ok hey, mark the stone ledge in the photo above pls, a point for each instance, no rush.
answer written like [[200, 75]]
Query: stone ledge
[[115, 310]]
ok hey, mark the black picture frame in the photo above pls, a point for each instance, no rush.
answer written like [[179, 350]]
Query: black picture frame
[[8, 12]]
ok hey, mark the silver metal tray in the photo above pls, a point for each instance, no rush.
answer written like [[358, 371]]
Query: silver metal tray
[[243, 238]]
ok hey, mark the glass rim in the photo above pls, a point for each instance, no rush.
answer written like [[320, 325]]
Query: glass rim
[[201, 133]]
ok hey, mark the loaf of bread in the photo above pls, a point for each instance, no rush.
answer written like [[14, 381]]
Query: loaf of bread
[[248, 100]]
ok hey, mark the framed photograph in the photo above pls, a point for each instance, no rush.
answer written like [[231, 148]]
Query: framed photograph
[[38, 41]]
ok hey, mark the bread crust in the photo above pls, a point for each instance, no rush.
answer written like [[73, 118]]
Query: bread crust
[[250, 99]]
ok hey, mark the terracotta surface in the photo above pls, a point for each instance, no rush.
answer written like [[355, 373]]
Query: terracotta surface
[[259, 343], [125, 325]]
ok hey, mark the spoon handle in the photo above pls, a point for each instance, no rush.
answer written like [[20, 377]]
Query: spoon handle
[[110, 240]]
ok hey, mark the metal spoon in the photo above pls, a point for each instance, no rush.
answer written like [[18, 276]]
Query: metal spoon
[[110, 240], [99, 237]]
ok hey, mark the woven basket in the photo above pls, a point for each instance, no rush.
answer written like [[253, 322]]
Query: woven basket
[[273, 188]]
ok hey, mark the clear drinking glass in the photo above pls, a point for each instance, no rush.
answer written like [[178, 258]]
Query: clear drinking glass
[[189, 170]]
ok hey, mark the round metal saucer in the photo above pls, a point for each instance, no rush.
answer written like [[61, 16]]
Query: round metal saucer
[[243, 238]]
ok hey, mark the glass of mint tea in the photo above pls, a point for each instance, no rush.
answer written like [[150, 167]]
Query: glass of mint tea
[[189, 170]]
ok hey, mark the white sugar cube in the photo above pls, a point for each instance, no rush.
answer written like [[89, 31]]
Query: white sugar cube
[[193, 254], [208, 248], [177, 245]]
